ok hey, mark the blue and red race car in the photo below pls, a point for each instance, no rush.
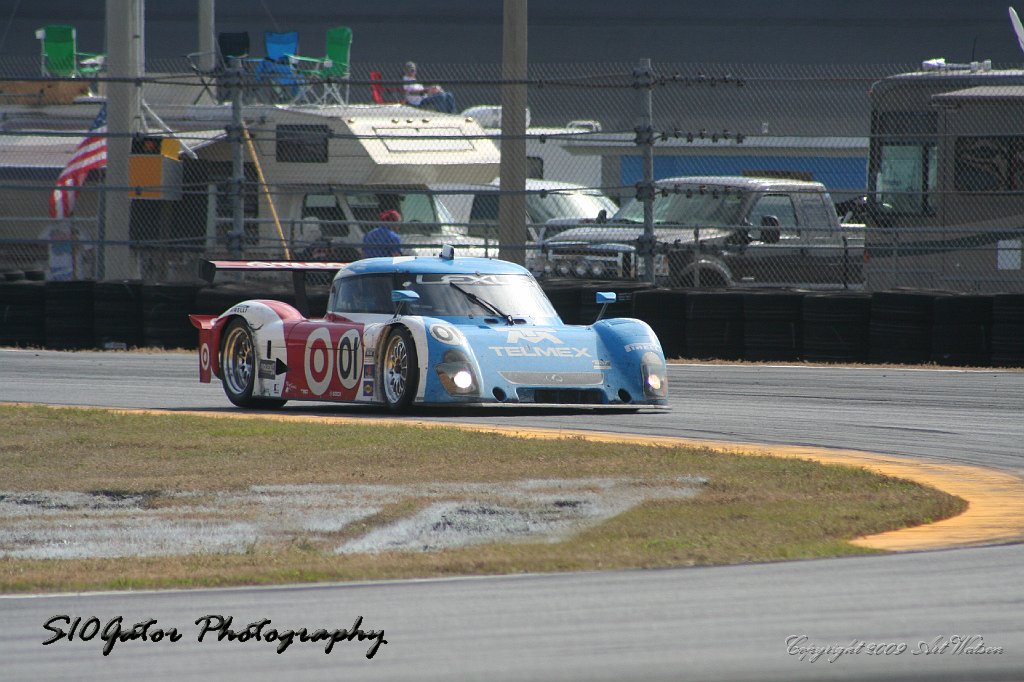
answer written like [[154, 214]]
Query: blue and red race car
[[409, 331]]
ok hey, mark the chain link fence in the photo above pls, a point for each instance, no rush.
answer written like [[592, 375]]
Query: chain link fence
[[817, 177]]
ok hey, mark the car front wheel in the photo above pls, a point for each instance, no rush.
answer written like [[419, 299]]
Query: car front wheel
[[401, 371]]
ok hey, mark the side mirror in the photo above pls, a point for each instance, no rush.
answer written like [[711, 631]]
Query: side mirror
[[401, 298], [604, 298]]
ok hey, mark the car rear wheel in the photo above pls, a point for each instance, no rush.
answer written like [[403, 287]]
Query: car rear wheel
[[401, 372], [238, 367]]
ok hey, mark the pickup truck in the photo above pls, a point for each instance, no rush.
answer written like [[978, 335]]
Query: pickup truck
[[712, 231]]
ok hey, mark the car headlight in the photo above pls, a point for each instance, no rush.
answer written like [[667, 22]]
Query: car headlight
[[563, 269], [654, 375], [456, 374], [581, 268]]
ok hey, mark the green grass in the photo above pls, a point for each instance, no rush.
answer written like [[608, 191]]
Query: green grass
[[754, 508]]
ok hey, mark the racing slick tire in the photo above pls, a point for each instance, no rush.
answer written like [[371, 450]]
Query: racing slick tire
[[238, 367], [400, 372]]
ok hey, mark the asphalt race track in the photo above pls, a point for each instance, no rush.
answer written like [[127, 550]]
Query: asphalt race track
[[947, 615]]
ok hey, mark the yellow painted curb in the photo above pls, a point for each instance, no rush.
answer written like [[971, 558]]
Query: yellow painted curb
[[995, 512]]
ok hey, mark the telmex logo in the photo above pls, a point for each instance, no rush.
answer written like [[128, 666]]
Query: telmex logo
[[532, 336]]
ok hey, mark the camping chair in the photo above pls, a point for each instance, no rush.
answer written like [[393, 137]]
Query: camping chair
[[230, 46], [383, 94], [279, 47], [274, 72], [60, 57], [327, 72]]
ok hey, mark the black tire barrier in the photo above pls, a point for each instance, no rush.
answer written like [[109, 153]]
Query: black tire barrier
[[835, 327], [900, 327], [165, 322], [623, 306], [1008, 330], [894, 327], [665, 311], [69, 315], [219, 299], [317, 303], [714, 324], [772, 325], [565, 298], [962, 330], [216, 300], [22, 314], [118, 314]]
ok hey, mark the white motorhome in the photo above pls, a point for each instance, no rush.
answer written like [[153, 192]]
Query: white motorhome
[[332, 171], [552, 153]]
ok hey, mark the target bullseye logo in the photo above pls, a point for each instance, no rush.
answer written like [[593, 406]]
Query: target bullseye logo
[[204, 357], [319, 360]]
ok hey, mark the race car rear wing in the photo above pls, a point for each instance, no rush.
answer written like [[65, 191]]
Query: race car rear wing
[[299, 269]]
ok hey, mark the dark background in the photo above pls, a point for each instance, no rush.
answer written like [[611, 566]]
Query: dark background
[[467, 31]]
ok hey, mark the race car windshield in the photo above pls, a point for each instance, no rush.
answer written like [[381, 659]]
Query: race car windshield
[[706, 207], [482, 301], [471, 295]]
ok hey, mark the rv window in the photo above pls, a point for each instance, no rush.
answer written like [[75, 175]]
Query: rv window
[[416, 209], [534, 167], [906, 177], [485, 208], [988, 164], [325, 208], [302, 143]]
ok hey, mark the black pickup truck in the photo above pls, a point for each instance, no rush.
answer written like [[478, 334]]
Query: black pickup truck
[[718, 232]]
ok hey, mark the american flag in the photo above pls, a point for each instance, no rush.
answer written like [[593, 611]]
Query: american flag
[[90, 153]]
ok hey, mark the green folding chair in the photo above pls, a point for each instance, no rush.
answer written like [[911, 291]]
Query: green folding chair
[[323, 76], [60, 57]]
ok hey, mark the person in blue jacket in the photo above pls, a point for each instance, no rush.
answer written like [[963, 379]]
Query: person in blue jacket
[[384, 240]]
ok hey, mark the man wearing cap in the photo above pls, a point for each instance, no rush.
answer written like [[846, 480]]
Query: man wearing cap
[[419, 96], [383, 240]]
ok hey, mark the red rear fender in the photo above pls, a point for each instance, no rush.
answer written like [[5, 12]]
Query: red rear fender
[[209, 341]]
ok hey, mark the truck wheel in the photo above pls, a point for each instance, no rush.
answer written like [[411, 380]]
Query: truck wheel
[[401, 372], [238, 367]]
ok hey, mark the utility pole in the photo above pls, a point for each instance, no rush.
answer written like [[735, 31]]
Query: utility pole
[[643, 79], [124, 29], [207, 45], [512, 232], [236, 239]]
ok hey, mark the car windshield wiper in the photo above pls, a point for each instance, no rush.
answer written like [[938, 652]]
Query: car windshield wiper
[[483, 303]]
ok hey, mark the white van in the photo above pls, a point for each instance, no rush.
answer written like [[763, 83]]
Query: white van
[[548, 203]]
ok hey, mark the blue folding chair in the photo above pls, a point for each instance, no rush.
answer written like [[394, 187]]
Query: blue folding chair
[[279, 47], [274, 72]]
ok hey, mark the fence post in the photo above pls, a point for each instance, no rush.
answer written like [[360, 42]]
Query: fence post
[[643, 79], [237, 237]]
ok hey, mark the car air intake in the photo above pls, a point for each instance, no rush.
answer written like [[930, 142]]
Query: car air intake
[[562, 396]]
